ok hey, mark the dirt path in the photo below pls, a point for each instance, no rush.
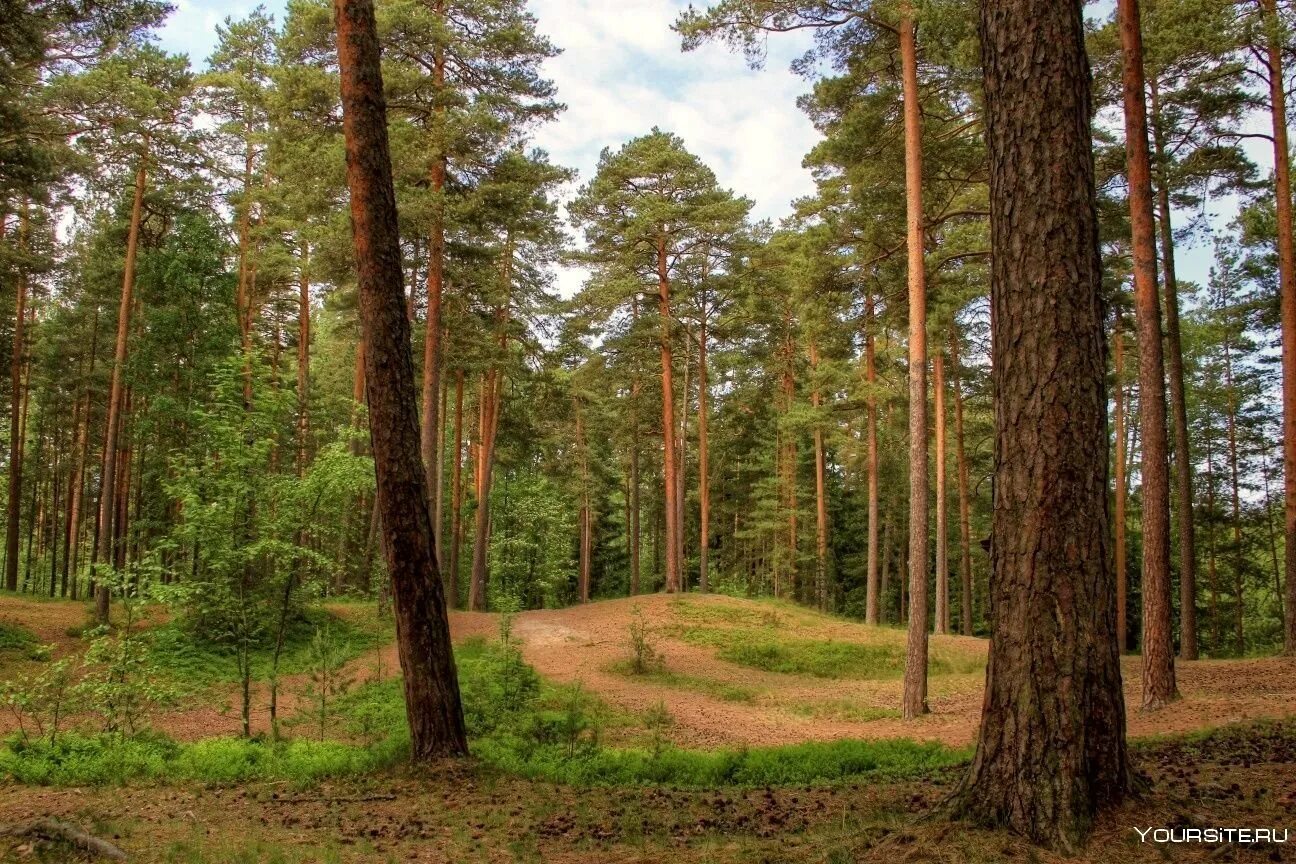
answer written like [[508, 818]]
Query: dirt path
[[718, 703]]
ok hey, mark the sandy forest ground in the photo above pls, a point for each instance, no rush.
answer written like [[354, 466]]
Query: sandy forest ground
[[457, 812], [715, 702]]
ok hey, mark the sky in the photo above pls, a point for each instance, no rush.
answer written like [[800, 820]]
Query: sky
[[621, 72]]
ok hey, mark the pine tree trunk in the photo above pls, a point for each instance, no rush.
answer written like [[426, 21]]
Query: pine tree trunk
[[1051, 749], [423, 633], [915, 680], [485, 468], [436, 273], [12, 514], [1122, 588], [965, 505], [456, 495], [1212, 567], [303, 359], [670, 470], [1158, 634], [874, 589], [107, 494], [942, 499], [1178, 406], [704, 485], [821, 497], [1287, 292], [1239, 556]]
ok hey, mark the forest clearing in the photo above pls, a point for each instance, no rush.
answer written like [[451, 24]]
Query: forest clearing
[[576, 430], [776, 690]]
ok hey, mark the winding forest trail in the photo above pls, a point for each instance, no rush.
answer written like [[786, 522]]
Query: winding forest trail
[[715, 702]]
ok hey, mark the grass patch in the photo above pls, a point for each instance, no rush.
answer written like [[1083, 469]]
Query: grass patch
[[823, 658], [188, 658], [518, 724], [844, 710], [76, 759], [15, 637], [722, 690]]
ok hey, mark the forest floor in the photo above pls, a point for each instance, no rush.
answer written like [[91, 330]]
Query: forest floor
[[729, 671], [1244, 777]]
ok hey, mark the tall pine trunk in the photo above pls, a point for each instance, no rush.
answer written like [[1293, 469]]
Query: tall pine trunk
[[1274, 46], [670, 470], [1183, 466], [965, 505], [431, 684], [704, 484], [1158, 634], [1122, 586], [821, 497], [874, 590], [942, 499], [1051, 750], [436, 271], [13, 512], [108, 488], [456, 495], [915, 679]]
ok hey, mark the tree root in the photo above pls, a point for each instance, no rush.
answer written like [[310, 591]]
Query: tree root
[[53, 829]]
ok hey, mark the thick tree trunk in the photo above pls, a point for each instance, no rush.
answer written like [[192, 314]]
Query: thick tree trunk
[[1158, 634], [874, 590], [423, 632], [1051, 750], [670, 469], [942, 499], [1183, 466], [107, 494], [965, 504], [12, 514], [1274, 46], [915, 680], [1122, 589]]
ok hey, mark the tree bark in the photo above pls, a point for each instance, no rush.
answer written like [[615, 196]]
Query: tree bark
[[1158, 635], [965, 507], [915, 680], [1239, 557], [1287, 292], [704, 484], [821, 498], [107, 494], [670, 469], [303, 358], [874, 590], [456, 495], [1178, 406], [1051, 749], [423, 632], [1122, 626], [942, 499], [13, 513], [436, 273]]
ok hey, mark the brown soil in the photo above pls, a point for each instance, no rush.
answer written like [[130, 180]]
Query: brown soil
[[459, 813], [586, 643]]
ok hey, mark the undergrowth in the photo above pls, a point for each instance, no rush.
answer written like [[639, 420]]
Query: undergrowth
[[517, 723]]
